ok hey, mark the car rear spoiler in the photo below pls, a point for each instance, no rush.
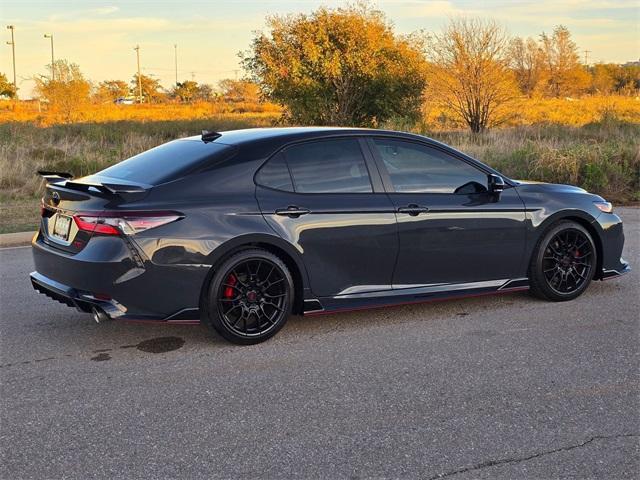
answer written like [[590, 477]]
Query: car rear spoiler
[[54, 177], [108, 188]]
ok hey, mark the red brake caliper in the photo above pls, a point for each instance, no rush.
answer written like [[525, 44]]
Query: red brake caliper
[[228, 291]]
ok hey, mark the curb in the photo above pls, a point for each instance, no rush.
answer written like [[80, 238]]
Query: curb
[[16, 239]]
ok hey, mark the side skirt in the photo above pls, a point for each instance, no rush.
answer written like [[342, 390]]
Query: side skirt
[[412, 295]]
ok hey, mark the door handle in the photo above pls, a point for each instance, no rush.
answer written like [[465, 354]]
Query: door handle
[[292, 211], [413, 209]]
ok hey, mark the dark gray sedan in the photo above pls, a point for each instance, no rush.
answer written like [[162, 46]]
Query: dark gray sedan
[[240, 229]]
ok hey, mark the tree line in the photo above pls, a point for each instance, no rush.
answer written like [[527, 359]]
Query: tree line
[[347, 66], [70, 82], [68, 91], [186, 91]]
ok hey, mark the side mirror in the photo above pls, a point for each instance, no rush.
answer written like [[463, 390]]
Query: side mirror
[[496, 184]]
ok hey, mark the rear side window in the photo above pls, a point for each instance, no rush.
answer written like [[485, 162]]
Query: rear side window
[[275, 174], [167, 162], [328, 166]]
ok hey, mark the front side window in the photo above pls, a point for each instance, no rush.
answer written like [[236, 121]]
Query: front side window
[[417, 168], [328, 166]]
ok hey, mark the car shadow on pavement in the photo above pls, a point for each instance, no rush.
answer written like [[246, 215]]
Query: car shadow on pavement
[[71, 334]]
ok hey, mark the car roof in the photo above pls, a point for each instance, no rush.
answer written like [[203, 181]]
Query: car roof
[[269, 140], [287, 134]]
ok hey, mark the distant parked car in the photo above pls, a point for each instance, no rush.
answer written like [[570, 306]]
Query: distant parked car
[[124, 101], [243, 228]]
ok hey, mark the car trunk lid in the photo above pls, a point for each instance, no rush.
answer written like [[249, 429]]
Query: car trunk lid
[[67, 204]]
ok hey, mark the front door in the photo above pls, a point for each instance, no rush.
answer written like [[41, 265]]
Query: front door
[[451, 229], [327, 200]]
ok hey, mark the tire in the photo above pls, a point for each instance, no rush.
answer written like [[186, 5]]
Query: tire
[[563, 262], [250, 297]]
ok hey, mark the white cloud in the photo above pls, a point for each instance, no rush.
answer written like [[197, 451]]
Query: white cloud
[[131, 25], [105, 10], [426, 8], [583, 13]]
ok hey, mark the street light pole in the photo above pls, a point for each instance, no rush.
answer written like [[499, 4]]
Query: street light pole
[[53, 68], [137, 49], [13, 53], [175, 47]]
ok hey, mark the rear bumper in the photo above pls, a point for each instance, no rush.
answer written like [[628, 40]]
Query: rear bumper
[[86, 302], [124, 284], [83, 301]]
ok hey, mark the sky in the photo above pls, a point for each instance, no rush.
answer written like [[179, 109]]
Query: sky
[[100, 35]]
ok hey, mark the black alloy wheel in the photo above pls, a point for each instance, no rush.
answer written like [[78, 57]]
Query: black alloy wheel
[[564, 263], [250, 297]]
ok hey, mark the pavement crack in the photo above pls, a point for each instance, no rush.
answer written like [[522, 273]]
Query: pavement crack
[[44, 359], [502, 461]]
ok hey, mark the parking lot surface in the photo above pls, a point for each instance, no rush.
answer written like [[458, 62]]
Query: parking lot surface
[[492, 387]]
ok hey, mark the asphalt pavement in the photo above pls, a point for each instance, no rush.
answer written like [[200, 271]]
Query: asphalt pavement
[[491, 387]]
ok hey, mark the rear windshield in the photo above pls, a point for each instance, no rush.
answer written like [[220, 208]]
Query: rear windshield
[[167, 162]]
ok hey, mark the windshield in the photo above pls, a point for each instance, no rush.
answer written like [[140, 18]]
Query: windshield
[[166, 162]]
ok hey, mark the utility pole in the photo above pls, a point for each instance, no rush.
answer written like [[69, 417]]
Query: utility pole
[[13, 52], [586, 57], [53, 67], [193, 76], [235, 73], [137, 49], [175, 57]]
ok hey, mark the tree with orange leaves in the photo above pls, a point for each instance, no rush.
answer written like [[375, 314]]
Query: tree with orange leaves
[[340, 66]]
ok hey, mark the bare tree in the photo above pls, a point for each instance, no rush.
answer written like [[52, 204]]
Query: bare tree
[[528, 63], [566, 75], [239, 90], [469, 71]]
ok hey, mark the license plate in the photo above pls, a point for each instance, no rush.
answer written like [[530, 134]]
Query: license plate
[[61, 227]]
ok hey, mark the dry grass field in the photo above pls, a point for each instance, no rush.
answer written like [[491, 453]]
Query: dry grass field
[[40, 115], [592, 142], [565, 111]]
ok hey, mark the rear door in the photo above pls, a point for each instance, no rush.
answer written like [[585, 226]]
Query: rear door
[[451, 229], [327, 199]]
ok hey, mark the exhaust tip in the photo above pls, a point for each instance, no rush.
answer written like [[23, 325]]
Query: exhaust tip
[[99, 316]]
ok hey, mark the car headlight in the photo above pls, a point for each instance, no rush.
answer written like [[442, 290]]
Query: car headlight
[[606, 207]]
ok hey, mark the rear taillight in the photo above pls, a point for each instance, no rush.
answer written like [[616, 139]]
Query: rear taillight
[[96, 225], [128, 223], [136, 224]]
